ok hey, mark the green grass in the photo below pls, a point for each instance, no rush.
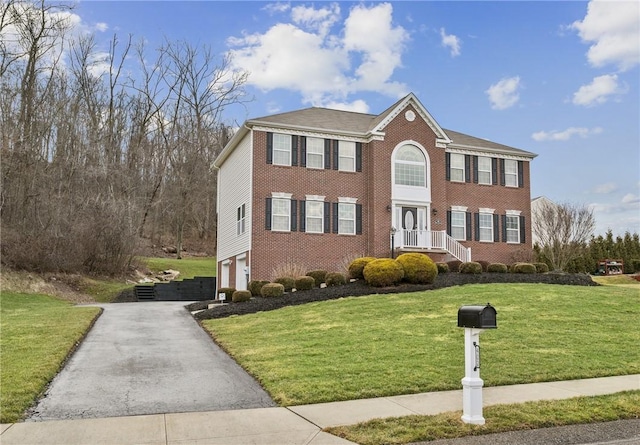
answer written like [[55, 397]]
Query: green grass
[[499, 418], [383, 345], [38, 332], [188, 267], [103, 290], [617, 280]]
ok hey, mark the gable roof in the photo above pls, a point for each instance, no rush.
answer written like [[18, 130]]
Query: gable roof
[[349, 123]]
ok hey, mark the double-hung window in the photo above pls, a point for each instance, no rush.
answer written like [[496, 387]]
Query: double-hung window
[[346, 218], [240, 220], [485, 223], [457, 167], [315, 153], [511, 173], [458, 225], [281, 214], [484, 170], [346, 156], [314, 214], [281, 149], [513, 228]]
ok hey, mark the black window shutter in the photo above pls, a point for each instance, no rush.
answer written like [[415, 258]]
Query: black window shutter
[[449, 222], [327, 217], [267, 214], [520, 174], [269, 148], [358, 156], [476, 217], [504, 228], [336, 154], [475, 169], [327, 154], [523, 232], [303, 151], [494, 171], [503, 180], [359, 219], [447, 166], [294, 150], [468, 221], [294, 215], [467, 168], [302, 212], [335, 217], [496, 228]]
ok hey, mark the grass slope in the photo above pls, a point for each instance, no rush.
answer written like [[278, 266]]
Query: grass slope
[[408, 343], [38, 332], [188, 267]]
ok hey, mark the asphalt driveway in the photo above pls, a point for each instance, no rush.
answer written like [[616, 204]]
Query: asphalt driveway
[[148, 358]]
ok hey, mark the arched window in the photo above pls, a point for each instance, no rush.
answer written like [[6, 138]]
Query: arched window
[[410, 166]]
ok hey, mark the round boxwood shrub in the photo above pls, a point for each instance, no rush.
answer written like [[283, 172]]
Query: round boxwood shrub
[[228, 293], [418, 268], [319, 276], [288, 283], [357, 266], [471, 267], [527, 268], [272, 290], [497, 268], [304, 283], [442, 267], [454, 265], [383, 272], [240, 296], [255, 286], [541, 267], [335, 279]]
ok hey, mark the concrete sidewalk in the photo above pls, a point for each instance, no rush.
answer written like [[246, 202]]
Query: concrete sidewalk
[[292, 425]]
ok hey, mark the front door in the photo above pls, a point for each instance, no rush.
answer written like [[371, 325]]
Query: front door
[[410, 226]]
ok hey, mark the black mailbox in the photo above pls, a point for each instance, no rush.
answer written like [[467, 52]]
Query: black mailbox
[[481, 317]]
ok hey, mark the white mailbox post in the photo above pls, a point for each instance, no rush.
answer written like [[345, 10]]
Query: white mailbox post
[[475, 320]]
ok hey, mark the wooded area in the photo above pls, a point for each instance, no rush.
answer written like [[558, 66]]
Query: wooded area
[[100, 148]]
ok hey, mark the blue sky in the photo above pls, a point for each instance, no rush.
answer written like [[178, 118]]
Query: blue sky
[[560, 79]]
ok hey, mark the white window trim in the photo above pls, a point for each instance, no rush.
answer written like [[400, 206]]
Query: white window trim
[[458, 209], [321, 154], [274, 149], [341, 155], [484, 210], [309, 200], [510, 174], [513, 214], [241, 221], [490, 213], [451, 168], [490, 171], [351, 202], [283, 196], [347, 200]]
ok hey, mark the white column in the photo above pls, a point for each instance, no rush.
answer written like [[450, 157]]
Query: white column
[[472, 383]]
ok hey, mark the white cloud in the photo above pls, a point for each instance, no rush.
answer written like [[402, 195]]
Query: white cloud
[[101, 26], [451, 41], [630, 198], [274, 8], [504, 94], [613, 28], [565, 135], [358, 106], [606, 188], [323, 64], [598, 91]]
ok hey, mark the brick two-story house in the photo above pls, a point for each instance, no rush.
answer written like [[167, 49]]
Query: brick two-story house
[[316, 186]]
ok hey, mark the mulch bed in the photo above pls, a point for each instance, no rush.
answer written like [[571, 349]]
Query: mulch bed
[[359, 288]]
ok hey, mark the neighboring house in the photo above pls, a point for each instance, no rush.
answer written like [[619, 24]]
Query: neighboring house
[[537, 207], [318, 186]]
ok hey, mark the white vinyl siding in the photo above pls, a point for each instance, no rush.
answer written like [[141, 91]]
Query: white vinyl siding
[[484, 170], [457, 167], [315, 153], [281, 149]]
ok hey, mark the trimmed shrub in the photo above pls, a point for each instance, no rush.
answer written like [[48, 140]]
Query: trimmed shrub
[[541, 267], [304, 283], [383, 272], [272, 290], [418, 268], [335, 279], [227, 291], [471, 267], [442, 267], [240, 296], [527, 268], [497, 268], [287, 282], [454, 266], [357, 266], [318, 275], [485, 265], [255, 286]]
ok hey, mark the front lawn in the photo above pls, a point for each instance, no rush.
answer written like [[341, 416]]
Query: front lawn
[[407, 343], [38, 332]]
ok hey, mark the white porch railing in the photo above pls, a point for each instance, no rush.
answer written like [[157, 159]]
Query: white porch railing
[[429, 240]]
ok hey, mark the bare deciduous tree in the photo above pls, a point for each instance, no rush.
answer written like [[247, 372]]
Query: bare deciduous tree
[[562, 231]]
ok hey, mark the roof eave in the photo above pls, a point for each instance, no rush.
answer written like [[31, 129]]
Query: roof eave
[[231, 145], [522, 153]]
